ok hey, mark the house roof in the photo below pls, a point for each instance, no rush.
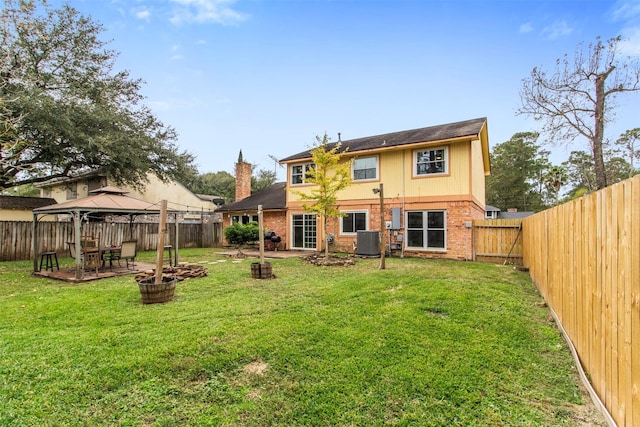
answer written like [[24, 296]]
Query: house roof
[[490, 208], [24, 203], [515, 215], [467, 128], [271, 198]]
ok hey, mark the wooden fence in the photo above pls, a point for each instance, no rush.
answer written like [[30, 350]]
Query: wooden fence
[[16, 237], [497, 240], [584, 257]]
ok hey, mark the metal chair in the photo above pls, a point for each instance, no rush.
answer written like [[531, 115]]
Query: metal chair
[[128, 252]]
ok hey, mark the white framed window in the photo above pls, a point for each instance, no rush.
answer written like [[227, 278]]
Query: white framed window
[[72, 191], [299, 173], [353, 222], [244, 219], [426, 230], [431, 162], [365, 168]]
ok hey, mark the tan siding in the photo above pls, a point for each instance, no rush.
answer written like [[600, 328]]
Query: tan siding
[[477, 172]]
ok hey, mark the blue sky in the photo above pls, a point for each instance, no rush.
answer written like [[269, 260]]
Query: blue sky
[[268, 76]]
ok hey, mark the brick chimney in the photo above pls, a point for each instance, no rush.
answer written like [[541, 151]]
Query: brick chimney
[[243, 178]]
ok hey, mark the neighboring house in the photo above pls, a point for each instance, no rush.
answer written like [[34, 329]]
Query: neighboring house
[[17, 208], [194, 207], [492, 212], [245, 208], [434, 186]]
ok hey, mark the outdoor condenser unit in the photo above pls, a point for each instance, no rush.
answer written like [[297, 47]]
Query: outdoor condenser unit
[[368, 243]]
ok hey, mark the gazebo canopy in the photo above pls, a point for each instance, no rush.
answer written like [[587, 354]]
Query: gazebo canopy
[[106, 200]]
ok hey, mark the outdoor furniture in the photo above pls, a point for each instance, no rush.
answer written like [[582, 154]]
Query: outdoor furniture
[[110, 253], [48, 258], [92, 259], [128, 252]]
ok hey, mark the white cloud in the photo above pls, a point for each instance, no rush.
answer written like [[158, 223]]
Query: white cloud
[[143, 14], [557, 29], [625, 10], [630, 44], [527, 27], [203, 11]]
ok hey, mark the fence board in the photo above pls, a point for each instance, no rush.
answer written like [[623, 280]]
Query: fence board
[[497, 240], [16, 238], [584, 257]]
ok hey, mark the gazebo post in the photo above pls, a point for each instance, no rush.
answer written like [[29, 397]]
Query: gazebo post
[[177, 239], [77, 230], [36, 249]]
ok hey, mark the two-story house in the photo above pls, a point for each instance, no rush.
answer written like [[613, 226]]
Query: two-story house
[[434, 186]]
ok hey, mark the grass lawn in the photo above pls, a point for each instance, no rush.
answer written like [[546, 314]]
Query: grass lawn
[[424, 342]]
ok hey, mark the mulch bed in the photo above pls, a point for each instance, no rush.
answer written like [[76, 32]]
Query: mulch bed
[[332, 260]]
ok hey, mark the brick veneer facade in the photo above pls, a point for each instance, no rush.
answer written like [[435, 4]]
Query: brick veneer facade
[[459, 237], [275, 221]]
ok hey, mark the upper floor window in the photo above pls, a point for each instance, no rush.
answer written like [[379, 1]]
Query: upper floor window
[[365, 168], [72, 191], [429, 162], [299, 173], [353, 222]]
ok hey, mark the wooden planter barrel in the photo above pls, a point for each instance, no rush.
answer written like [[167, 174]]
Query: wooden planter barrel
[[261, 271], [152, 293]]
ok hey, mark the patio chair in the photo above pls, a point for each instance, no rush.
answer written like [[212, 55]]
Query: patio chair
[[89, 257], [128, 252]]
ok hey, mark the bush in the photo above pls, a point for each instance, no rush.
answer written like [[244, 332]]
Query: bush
[[241, 234]]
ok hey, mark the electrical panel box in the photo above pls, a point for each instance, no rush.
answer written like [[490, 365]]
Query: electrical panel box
[[395, 219]]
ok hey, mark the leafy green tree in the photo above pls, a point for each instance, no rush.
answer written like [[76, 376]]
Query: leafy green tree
[[220, 183], [628, 142], [556, 177], [241, 234], [263, 179], [328, 175], [74, 111], [578, 99], [517, 173], [581, 172]]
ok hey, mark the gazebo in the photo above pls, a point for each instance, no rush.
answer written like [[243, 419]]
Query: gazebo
[[102, 201]]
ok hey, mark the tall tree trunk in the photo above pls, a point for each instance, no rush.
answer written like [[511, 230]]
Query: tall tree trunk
[[596, 143]]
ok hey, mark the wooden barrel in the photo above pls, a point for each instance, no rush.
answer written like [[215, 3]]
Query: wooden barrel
[[152, 293], [261, 271]]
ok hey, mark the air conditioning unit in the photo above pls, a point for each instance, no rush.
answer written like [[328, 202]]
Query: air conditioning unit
[[368, 243]]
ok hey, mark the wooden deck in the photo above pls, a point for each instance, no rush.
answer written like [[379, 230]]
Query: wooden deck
[[69, 274]]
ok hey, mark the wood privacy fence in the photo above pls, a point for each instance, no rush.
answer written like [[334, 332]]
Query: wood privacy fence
[[497, 240], [16, 236], [584, 257]]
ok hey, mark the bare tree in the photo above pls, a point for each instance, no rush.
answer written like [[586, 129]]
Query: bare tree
[[578, 99]]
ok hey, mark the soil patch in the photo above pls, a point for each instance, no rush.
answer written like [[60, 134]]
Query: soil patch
[[332, 260]]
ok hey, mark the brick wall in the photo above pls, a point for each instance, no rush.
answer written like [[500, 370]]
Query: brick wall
[[243, 180], [459, 236], [272, 221]]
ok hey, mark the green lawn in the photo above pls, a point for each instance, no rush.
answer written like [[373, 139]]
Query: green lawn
[[424, 342]]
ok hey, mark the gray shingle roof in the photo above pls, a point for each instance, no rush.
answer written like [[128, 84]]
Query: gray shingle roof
[[24, 203], [271, 198], [432, 133]]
